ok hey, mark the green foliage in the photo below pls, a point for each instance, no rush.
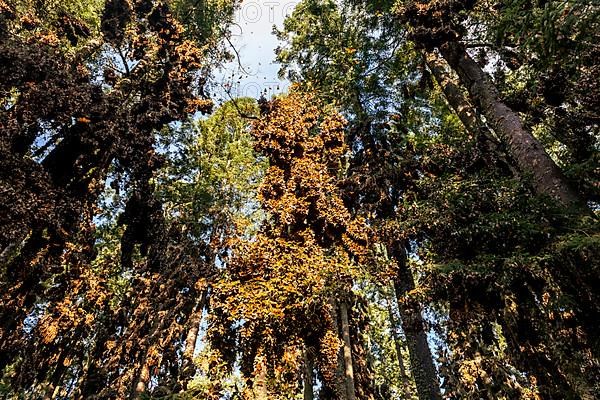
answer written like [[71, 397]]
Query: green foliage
[[549, 29], [148, 252], [350, 55], [206, 22], [213, 172]]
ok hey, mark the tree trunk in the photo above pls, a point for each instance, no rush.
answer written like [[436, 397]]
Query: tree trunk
[[466, 112], [191, 339], [308, 377], [192, 336], [421, 360], [259, 386], [349, 371], [526, 150], [339, 386], [455, 96], [396, 338], [194, 326]]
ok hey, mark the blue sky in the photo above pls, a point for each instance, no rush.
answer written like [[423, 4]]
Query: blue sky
[[252, 36]]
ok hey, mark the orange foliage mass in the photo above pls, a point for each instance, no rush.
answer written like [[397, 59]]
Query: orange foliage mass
[[281, 285]]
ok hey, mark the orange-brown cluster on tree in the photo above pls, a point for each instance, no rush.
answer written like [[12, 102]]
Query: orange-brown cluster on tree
[[285, 284], [63, 131]]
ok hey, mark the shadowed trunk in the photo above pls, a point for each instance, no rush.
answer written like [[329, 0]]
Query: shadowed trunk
[[527, 151], [397, 343], [348, 368], [142, 382], [421, 359], [466, 112], [259, 386], [340, 381], [308, 377]]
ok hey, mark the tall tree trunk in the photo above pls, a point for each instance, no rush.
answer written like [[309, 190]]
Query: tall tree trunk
[[466, 112], [308, 377], [259, 386], [339, 388], [527, 151], [191, 339], [349, 371], [397, 343], [192, 336], [421, 359], [194, 326]]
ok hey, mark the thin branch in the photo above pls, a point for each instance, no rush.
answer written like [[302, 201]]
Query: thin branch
[[124, 61], [51, 141], [237, 108], [237, 54]]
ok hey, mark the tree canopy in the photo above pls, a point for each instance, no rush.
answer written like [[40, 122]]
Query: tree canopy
[[415, 218]]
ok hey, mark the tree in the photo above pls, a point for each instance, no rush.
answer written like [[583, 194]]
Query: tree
[[366, 73], [284, 288], [437, 25], [377, 233], [438, 163], [79, 102]]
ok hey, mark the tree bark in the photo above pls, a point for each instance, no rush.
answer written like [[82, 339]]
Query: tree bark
[[348, 368], [421, 359], [466, 112], [192, 335], [194, 326], [339, 386], [259, 386], [191, 339], [396, 338], [455, 96], [308, 377], [527, 151]]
